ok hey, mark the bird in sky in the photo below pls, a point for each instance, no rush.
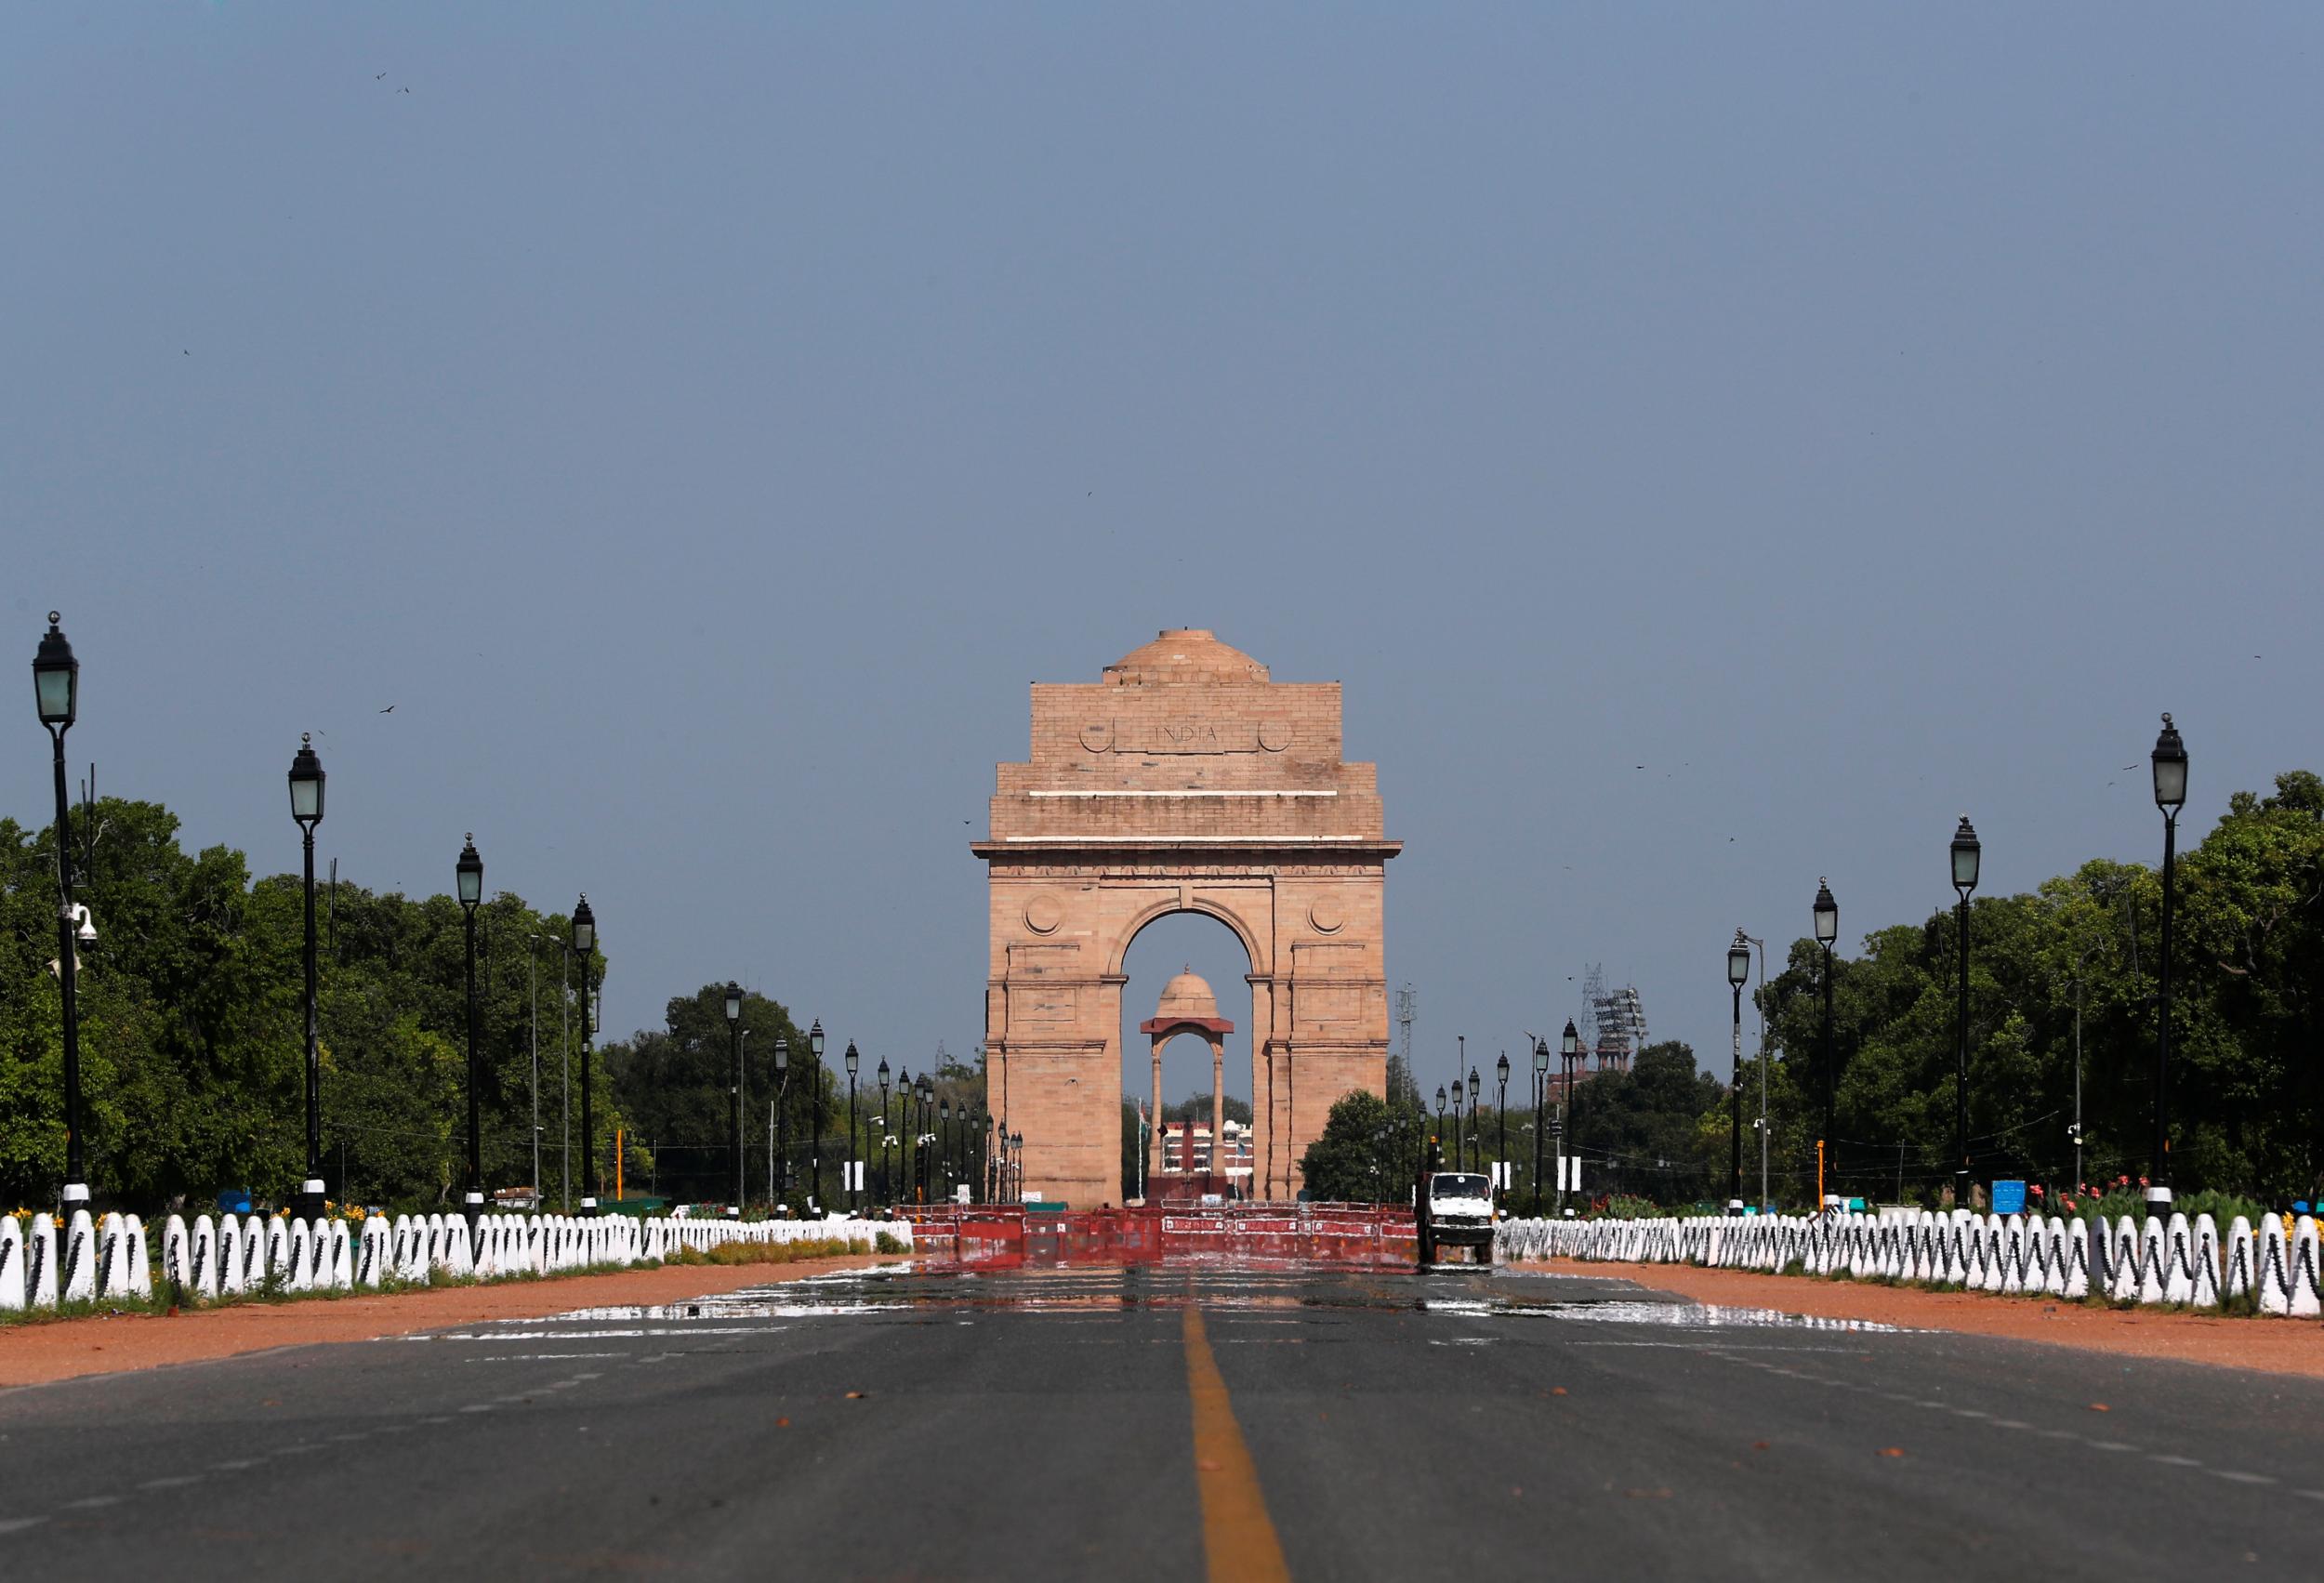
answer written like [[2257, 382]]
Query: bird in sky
[[389, 710], [379, 77]]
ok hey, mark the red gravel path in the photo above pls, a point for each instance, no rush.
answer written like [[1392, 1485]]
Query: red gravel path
[[37, 1354], [2276, 1346]]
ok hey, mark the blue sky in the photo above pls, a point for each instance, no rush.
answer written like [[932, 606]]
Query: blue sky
[[702, 423]]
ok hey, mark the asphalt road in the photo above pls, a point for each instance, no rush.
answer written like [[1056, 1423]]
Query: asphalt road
[[1052, 1425]]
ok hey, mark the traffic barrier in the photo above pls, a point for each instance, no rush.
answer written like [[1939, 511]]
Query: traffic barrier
[[11, 1264], [2164, 1262], [226, 1257]]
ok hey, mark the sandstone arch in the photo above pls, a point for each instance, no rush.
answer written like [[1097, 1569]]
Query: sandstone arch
[[1187, 779]]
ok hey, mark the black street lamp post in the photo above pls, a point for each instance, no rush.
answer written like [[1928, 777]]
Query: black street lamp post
[[1966, 856], [470, 871], [1540, 1093], [1501, 1104], [734, 1093], [1440, 1112], [1476, 1144], [920, 1115], [814, 1148], [944, 1147], [585, 949], [57, 691], [907, 1139], [2170, 766], [1738, 974], [1569, 1051], [306, 795], [1827, 931], [782, 1116], [854, 1166], [886, 1183]]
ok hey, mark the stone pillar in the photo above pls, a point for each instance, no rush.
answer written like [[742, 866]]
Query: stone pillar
[[1218, 1108], [1154, 1137]]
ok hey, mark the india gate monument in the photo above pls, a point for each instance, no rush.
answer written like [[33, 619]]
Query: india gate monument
[[1185, 780]]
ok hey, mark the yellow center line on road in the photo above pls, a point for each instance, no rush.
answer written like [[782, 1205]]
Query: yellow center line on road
[[1238, 1539]]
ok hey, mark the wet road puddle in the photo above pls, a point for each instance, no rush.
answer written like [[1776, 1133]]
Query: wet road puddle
[[1673, 1316], [919, 1293]]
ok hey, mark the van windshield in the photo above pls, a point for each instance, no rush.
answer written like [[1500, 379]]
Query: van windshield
[[1450, 1186]]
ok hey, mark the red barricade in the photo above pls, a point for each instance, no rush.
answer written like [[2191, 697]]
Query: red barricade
[[1002, 1235]]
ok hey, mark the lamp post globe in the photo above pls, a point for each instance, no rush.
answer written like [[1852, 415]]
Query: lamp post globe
[[57, 694], [814, 1040], [306, 798], [56, 679], [584, 931], [1967, 854], [469, 874], [2170, 769]]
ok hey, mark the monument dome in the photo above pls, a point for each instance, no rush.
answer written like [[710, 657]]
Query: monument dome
[[1187, 997], [1187, 654]]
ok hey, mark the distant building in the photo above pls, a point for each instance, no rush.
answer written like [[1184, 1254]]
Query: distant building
[[1235, 1158]]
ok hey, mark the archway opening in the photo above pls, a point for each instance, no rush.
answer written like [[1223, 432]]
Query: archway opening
[[1186, 1148]]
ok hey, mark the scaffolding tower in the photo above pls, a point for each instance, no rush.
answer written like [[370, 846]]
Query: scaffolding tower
[[1620, 1020]]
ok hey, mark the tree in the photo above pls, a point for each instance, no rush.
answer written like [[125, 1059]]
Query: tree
[[1365, 1154], [1657, 1130]]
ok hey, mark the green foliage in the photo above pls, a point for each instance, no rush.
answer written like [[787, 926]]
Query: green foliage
[[1656, 1131], [2079, 953], [1368, 1154], [192, 1052]]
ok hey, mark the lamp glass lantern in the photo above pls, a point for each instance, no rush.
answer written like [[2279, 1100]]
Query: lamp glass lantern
[[782, 1053], [1570, 1043], [584, 928], [56, 679], [733, 1001], [470, 870], [1540, 1056], [1440, 1096], [851, 1057], [1966, 854], [814, 1041], [883, 1080], [1738, 963], [1826, 923], [1502, 1068], [1475, 1083], [2170, 769], [306, 784]]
